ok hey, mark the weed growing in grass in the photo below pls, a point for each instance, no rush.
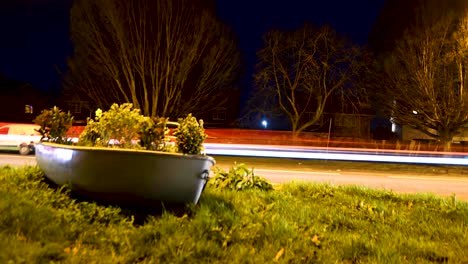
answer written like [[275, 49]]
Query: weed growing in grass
[[297, 223], [239, 177]]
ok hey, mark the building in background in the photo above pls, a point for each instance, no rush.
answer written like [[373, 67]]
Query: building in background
[[20, 101]]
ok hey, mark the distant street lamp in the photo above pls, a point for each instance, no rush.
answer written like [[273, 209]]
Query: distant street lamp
[[264, 123]]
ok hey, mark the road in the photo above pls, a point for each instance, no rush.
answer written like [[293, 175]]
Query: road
[[444, 186], [399, 183], [17, 160]]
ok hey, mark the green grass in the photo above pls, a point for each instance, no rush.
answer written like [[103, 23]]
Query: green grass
[[296, 223]]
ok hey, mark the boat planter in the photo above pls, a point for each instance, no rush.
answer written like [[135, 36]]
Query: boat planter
[[127, 176]]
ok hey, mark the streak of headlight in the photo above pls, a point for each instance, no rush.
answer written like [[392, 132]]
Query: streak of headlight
[[295, 153], [337, 156], [306, 148]]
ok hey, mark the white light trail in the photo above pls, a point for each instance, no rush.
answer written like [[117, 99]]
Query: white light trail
[[250, 151]]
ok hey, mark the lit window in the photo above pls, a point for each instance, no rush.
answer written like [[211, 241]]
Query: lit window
[[28, 109]]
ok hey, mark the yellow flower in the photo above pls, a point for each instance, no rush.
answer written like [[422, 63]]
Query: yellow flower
[[98, 113]]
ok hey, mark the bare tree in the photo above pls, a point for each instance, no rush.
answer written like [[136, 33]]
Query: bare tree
[[299, 72], [428, 77], [166, 57]]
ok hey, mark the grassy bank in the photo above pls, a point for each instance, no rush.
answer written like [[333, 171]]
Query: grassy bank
[[296, 223]]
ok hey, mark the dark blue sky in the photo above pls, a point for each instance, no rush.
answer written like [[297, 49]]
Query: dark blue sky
[[35, 40], [251, 18]]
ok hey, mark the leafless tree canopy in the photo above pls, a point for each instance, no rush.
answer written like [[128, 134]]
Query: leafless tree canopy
[[299, 72], [428, 76], [166, 57]]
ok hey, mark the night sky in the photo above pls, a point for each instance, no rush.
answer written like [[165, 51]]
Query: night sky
[[35, 40]]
